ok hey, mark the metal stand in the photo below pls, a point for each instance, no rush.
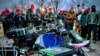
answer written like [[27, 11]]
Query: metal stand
[[5, 50]]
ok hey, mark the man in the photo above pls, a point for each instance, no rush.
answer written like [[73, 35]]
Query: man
[[19, 19], [30, 15], [37, 18], [60, 15], [61, 18], [92, 23], [71, 17], [8, 21], [83, 22], [50, 15]]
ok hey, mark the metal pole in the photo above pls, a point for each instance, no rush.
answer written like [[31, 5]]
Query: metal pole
[[2, 51]]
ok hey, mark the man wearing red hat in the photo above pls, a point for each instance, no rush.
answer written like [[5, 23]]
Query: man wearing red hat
[[70, 18], [19, 19], [61, 18], [47, 15], [29, 14], [60, 15], [8, 22], [50, 15]]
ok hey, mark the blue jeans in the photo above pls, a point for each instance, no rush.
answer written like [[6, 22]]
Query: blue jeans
[[69, 26]]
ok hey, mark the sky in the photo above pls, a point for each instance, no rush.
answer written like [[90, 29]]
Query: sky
[[63, 6]]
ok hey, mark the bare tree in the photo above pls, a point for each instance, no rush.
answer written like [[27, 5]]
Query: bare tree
[[55, 4], [22, 3], [47, 3], [42, 3]]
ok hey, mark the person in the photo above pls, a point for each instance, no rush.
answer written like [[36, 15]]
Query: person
[[8, 21], [37, 18], [61, 18], [83, 22], [44, 15], [92, 23], [61, 15], [30, 15], [70, 18], [79, 28], [19, 19], [50, 15]]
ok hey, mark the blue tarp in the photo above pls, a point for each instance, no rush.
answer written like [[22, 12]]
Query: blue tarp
[[51, 40]]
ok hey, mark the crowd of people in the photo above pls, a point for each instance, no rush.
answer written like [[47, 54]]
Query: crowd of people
[[84, 22]]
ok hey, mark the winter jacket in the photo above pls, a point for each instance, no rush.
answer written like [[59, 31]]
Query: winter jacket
[[29, 16], [19, 21], [61, 16], [83, 20], [92, 18], [70, 17]]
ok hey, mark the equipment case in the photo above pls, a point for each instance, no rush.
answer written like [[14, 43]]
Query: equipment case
[[56, 51]]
